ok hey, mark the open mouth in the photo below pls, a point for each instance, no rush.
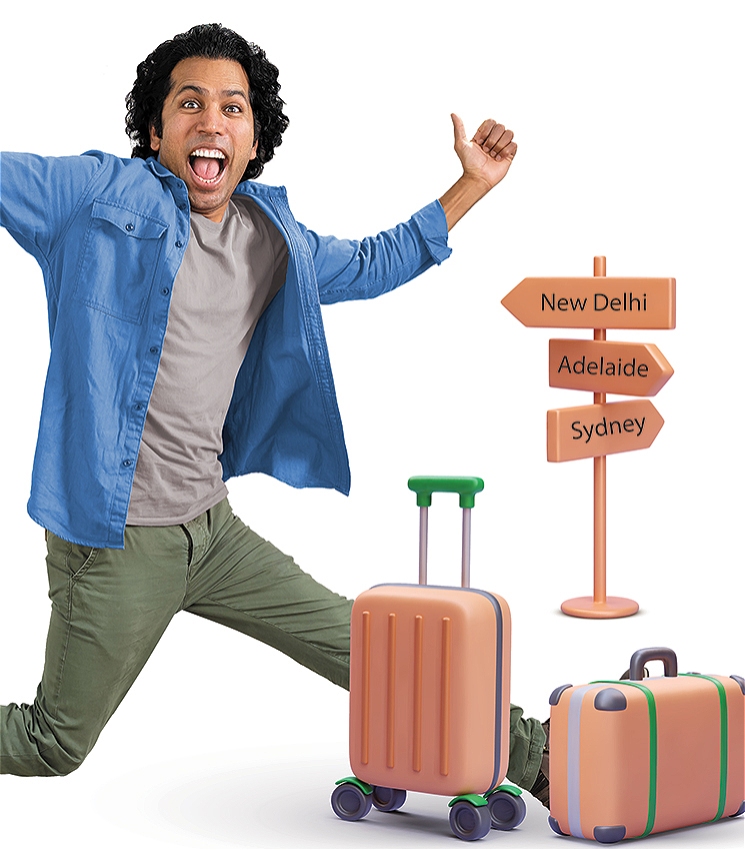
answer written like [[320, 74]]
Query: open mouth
[[207, 164]]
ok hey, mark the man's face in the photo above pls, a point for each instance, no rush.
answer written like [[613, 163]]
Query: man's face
[[208, 131]]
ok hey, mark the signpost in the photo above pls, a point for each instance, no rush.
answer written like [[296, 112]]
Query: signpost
[[600, 366]]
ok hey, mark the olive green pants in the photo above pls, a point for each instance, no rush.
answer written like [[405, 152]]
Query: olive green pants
[[111, 606]]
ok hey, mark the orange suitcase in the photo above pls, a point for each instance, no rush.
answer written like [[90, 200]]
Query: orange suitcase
[[429, 692], [629, 758]]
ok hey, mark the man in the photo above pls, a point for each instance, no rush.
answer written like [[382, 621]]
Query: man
[[187, 347]]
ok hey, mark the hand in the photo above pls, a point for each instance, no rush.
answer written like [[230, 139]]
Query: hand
[[488, 155]]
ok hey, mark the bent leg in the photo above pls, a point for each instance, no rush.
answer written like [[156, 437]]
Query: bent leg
[[109, 609]]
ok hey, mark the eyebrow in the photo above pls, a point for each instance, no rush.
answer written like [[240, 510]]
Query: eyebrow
[[204, 92]]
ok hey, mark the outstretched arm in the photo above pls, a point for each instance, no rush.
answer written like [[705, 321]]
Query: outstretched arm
[[486, 158]]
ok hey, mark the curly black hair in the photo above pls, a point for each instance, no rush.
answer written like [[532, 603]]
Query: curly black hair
[[212, 41]]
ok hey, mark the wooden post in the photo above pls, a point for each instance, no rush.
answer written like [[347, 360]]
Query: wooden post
[[599, 606]]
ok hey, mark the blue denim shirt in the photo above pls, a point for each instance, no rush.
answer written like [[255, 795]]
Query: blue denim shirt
[[109, 235]]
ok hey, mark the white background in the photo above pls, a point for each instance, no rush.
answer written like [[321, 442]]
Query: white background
[[629, 122]]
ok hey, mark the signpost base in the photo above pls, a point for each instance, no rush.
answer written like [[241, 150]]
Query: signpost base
[[587, 607]]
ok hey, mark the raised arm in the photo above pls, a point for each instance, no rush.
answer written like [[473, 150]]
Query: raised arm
[[485, 158]]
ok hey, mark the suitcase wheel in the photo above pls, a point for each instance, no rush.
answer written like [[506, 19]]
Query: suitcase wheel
[[350, 802], [554, 824], [506, 810], [388, 799], [469, 822]]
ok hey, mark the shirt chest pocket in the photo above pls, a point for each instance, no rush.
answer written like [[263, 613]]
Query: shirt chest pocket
[[120, 256]]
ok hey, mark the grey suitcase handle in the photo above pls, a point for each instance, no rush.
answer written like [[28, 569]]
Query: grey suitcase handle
[[653, 653], [466, 487]]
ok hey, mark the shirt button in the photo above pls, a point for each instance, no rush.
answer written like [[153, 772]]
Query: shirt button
[[165, 290], [154, 349], [129, 227], [179, 244], [139, 406], [127, 462]]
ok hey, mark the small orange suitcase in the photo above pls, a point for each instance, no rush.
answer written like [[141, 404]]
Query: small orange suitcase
[[629, 758], [429, 692]]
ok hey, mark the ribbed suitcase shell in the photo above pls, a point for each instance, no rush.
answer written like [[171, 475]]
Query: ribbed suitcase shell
[[429, 689], [629, 759]]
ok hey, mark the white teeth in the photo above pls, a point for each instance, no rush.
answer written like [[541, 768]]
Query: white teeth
[[208, 153]]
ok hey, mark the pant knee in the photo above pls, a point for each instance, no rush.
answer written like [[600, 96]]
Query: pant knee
[[60, 762], [34, 746]]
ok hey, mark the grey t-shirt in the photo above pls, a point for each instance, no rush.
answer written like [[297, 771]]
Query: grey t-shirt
[[230, 272]]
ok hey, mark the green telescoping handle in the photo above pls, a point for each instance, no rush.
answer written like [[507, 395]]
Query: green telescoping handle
[[466, 487]]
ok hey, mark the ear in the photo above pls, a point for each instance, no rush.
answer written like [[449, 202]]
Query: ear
[[154, 139], [254, 149]]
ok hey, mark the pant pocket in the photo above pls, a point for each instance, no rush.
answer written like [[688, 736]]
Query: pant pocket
[[77, 559], [80, 560]]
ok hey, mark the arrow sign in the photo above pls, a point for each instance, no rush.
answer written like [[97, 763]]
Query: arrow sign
[[626, 368], [593, 302], [595, 430]]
